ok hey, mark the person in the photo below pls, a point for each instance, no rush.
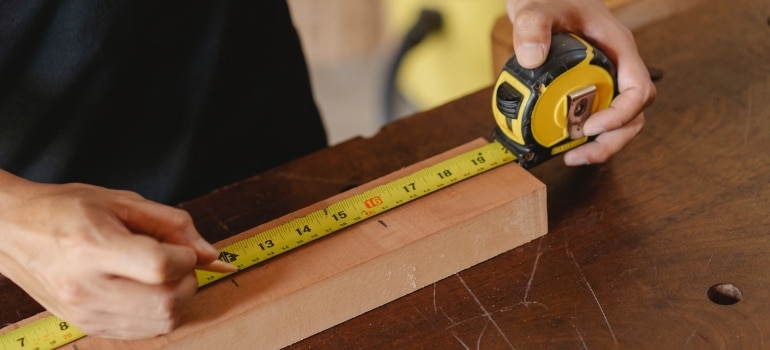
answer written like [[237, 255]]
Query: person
[[111, 111]]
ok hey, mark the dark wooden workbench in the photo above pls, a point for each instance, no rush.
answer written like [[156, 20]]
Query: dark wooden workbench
[[634, 245]]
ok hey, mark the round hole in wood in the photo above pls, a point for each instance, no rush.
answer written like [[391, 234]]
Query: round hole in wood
[[725, 294]]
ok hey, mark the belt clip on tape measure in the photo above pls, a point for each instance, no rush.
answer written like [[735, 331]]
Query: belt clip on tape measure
[[540, 112]]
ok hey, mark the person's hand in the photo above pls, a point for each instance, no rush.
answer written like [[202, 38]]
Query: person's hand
[[533, 23], [110, 262]]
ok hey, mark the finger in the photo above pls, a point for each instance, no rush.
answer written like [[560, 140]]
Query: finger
[[217, 266], [131, 299], [134, 310], [623, 109], [605, 145], [127, 329], [167, 224], [636, 93], [146, 260], [531, 37], [636, 88]]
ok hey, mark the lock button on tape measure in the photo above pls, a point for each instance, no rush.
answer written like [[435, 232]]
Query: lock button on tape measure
[[540, 112]]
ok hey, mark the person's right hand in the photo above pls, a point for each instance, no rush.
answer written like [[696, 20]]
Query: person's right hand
[[534, 21], [110, 262]]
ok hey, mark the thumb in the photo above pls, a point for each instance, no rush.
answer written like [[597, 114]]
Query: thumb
[[531, 38], [530, 54]]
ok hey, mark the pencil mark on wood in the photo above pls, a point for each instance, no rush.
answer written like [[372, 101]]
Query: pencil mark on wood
[[687, 341], [461, 341], [452, 322], [234, 282], [579, 336], [216, 218], [483, 330], [708, 263], [221, 224], [435, 306], [596, 299], [382, 223], [484, 310], [526, 302], [514, 306], [422, 315]]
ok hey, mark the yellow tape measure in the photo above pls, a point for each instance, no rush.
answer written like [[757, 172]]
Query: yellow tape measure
[[46, 333], [52, 332]]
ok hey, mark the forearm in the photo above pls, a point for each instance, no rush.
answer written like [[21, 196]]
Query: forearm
[[10, 185], [12, 188]]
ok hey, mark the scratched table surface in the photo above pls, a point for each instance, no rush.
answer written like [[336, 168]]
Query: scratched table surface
[[667, 245]]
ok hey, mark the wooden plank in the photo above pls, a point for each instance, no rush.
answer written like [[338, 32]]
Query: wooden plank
[[327, 282]]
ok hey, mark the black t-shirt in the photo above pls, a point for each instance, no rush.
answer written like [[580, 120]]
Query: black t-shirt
[[167, 98]]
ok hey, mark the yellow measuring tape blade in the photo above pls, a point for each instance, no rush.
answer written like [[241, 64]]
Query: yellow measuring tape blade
[[46, 333], [51, 332]]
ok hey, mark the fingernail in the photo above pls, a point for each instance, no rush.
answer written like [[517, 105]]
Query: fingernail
[[530, 55]]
